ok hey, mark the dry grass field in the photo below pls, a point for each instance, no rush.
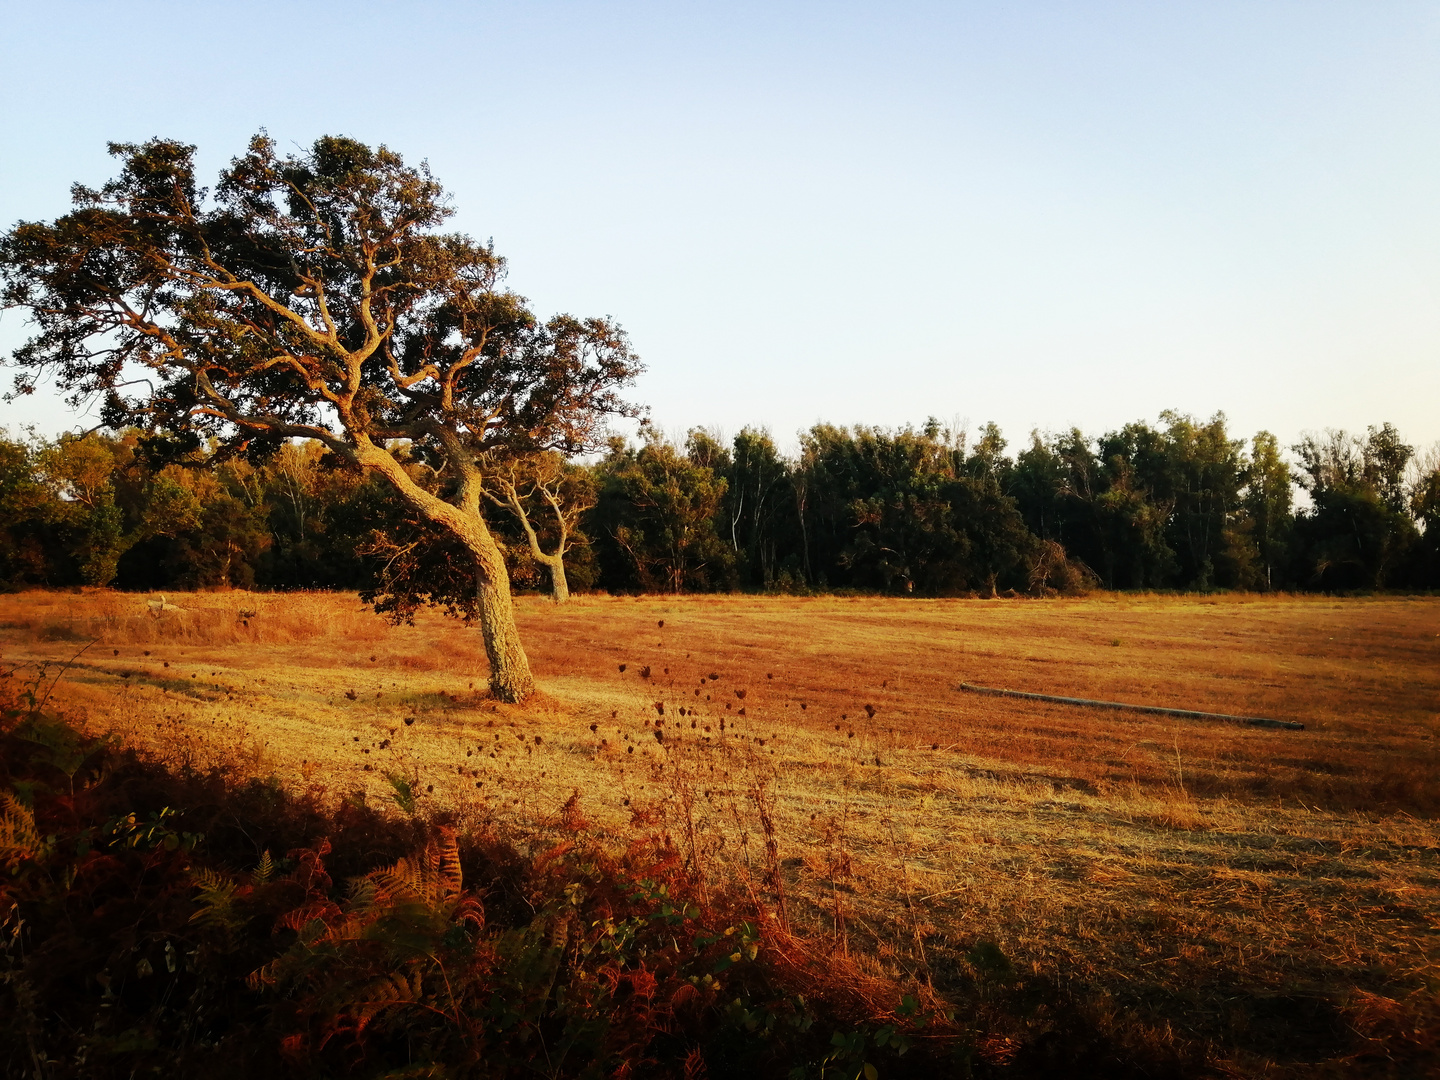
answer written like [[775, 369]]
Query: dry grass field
[[1267, 898]]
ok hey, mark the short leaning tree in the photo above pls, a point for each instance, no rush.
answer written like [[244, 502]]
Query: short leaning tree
[[566, 490], [313, 296]]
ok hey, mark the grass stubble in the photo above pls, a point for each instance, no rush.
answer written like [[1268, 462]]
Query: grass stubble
[[1262, 902]]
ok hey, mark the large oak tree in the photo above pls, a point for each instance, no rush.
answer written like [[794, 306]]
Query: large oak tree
[[313, 296]]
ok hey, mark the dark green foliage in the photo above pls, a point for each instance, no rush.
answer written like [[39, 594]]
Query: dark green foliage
[[1202, 471], [1181, 506], [909, 512], [655, 521], [1425, 505], [759, 509], [1357, 534], [1269, 510], [320, 512], [27, 546], [1152, 508], [878, 516]]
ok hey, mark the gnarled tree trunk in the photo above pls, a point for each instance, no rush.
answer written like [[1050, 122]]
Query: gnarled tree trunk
[[554, 561], [510, 678], [559, 586]]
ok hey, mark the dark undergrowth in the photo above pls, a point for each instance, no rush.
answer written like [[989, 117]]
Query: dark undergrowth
[[175, 923], [157, 920]]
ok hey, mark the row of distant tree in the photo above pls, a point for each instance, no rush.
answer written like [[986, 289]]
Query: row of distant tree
[[1182, 505]]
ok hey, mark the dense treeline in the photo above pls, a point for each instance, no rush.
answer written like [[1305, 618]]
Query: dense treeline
[[1182, 505]]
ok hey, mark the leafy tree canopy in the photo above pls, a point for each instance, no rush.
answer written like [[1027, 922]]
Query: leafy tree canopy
[[312, 296], [306, 296]]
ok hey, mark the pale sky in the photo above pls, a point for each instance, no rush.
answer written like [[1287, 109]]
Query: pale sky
[[1045, 214]]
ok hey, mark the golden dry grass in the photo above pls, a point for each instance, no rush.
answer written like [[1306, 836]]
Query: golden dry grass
[[1262, 891]]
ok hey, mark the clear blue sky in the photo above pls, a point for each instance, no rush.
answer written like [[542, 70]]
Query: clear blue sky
[[1046, 214]]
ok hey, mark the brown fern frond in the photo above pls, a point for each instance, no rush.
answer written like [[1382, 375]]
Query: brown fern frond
[[350, 928], [684, 998], [310, 872], [263, 976], [379, 888], [648, 859], [432, 878], [430, 868], [205, 878], [392, 988], [364, 894], [216, 902], [545, 858], [695, 1065], [19, 838], [406, 879], [447, 864], [413, 875], [470, 910], [326, 912]]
